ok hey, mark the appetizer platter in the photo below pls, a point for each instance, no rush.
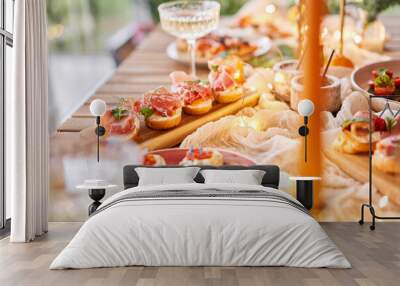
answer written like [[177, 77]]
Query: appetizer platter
[[163, 117], [220, 44], [196, 156], [381, 79], [351, 146]]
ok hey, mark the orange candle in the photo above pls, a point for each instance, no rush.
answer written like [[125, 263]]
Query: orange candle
[[312, 82]]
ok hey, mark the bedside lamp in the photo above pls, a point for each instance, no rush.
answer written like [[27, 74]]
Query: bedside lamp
[[306, 109], [98, 108]]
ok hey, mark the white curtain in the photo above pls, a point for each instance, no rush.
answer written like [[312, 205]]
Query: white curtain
[[27, 124]]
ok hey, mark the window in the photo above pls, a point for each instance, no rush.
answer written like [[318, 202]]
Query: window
[[6, 44]]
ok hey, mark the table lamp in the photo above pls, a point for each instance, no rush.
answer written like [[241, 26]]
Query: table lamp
[[98, 108], [306, 109]]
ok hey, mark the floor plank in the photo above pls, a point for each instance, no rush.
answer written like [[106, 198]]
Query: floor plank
[[375, 257]]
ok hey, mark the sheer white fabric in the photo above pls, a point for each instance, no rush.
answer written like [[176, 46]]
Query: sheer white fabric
[[27, 126]]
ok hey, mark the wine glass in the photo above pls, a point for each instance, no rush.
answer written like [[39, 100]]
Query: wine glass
[[189, 20]]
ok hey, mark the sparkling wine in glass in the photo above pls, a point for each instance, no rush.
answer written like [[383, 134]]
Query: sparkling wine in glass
[[189, 20]]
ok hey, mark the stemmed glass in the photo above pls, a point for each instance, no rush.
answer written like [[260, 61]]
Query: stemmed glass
[[189, 20]]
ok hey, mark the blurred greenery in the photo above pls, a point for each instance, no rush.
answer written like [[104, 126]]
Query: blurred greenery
[[375, 7], [85, 25]]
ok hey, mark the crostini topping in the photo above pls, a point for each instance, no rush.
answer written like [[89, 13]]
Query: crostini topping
[[383, 83], [192, 91], [160, 101]]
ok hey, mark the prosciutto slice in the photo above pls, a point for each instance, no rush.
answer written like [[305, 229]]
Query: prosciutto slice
[[161, 101], [121, 126]]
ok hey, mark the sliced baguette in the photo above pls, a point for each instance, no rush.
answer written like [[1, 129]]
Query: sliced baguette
[[159, 122], [229, 95], [198, 107], [345, 143]]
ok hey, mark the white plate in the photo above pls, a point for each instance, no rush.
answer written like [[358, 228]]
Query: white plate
[[263, 43]]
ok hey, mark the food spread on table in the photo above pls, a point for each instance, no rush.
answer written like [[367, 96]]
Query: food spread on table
[[264, 131]]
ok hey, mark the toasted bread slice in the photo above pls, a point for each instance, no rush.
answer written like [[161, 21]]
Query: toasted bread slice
[[347, 144], [229, 95], [198, 107], [159, 122]]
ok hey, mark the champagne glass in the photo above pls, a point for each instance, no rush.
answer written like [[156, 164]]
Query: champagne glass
[[189, 20]]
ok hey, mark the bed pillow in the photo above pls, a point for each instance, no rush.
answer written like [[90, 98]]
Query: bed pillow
[[166, 176], [247, 177]]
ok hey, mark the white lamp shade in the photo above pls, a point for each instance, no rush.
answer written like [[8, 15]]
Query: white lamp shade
[[98, 107], [305, 107]]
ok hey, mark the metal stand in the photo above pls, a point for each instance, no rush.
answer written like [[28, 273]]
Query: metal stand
[[370, 205]]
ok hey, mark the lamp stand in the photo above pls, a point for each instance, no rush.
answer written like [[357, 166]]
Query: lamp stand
[[100, 131], [304, 131]]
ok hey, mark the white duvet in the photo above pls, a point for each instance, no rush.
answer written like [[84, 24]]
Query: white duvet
[[202, 231]]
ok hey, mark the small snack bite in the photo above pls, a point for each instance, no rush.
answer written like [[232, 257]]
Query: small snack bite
[[202, 157], [197, 95], [354, 136], [383, 83], [161, 109], [226, 79], [153, 160], [121, 121], [387, 155]]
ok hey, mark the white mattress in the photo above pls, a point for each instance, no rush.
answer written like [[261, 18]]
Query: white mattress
[[191, 231]]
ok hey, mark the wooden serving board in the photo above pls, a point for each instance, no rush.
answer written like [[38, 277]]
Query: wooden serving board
[[160, 139], [356, 166], [154, 139]]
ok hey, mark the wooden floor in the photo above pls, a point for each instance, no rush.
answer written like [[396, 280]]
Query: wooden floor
[[375, 257]]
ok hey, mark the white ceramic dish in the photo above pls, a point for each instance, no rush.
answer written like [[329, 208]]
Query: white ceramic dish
[[361, 76], [263, 44]]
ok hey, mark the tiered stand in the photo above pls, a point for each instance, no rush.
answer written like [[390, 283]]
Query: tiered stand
[[369, 205]]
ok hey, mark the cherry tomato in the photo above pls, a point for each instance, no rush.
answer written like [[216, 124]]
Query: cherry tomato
[[371, 84], [397, 81]]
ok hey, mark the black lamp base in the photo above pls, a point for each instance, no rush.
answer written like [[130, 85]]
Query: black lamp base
[[304, 193], [96, 195]]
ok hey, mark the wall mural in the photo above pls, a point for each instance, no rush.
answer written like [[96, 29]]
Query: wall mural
[[241, 109]]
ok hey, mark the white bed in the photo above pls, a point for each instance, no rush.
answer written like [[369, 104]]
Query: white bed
[[224, 225]]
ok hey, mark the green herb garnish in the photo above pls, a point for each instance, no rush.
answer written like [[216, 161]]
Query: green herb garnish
[[390, 123], [146, 112], [383, 79], [119, 112]]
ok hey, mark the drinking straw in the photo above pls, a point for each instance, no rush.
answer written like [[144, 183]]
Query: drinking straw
[[328, 64]]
